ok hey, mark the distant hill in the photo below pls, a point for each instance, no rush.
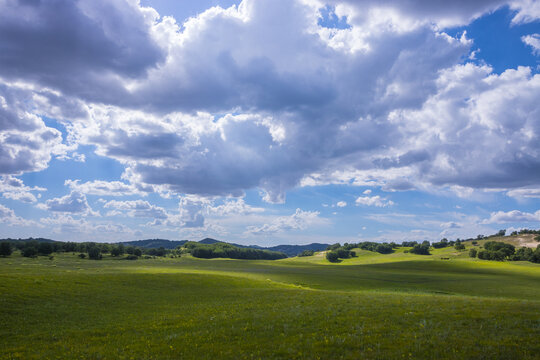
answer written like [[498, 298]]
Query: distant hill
[[155, 243], [293, 250], [29, 239], [289, 250], [210, 241]]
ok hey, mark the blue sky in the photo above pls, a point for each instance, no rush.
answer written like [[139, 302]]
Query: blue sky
[[269, 122]]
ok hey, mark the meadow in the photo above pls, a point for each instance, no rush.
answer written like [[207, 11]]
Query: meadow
[[372, 306]]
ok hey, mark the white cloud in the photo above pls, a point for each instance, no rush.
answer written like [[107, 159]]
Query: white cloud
[[136, 208], [14, 188], [500, 217], [533, 41], [341, 204], [75, 202], [524, 193], [8, 217], [233, 100], [527, 11], [105, 188], [234, 207], [300, 220], [65, 224], [374, 201]]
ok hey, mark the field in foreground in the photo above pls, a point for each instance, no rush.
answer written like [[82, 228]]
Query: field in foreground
[[373, 306]]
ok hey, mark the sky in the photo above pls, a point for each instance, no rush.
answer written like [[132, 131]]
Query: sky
[[269, 121]]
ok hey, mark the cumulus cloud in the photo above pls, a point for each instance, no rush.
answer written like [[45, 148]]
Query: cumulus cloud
[[341, 204], [526, 11], [373, 201], [136, 208], [234, 207], [61, 223], [26, 143], [8, 217], [533, 41], [14, 188], [105, 188], [500, 217], [300, 220], [233, 100], [52, 43], [75, 202], [304, 103]]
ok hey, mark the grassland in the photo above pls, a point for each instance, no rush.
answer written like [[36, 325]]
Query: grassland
[[374, 306]]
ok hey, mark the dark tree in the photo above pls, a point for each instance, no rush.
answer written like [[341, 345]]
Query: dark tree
[[29, 251], [384, 248], [422, 249], [94, 253], [332, 256], [115, 251], [45, 248], [5, 248], [307, 253], [472, 253]]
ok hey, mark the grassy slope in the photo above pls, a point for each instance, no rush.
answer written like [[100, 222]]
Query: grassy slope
[[374, 306]]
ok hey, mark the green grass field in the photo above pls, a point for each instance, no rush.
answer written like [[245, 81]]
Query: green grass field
[[396, 306]]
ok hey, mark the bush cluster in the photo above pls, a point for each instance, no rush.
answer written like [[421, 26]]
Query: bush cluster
[[500, 251]]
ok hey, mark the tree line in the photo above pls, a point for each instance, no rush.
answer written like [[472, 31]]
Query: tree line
[[90, 250], [500, 251], [225, 250]]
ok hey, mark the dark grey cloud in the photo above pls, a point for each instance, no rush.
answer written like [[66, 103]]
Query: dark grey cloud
[[79, 47]]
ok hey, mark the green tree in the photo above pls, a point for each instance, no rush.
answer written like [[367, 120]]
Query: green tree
[[45, 248], [472, 253], [306, 253], [420, 249], [29, 251], [94, 253], [5, 248], [332, 256]]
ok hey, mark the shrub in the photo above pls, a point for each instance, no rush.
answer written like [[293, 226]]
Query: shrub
[[522, 254], [384, 248], [343, 253], [472, 253], [459, 246], [132, 257], [506, 249], [307, 253], [332, 256], [334, 246], [441, 244], [422, 249], [82, 255]]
